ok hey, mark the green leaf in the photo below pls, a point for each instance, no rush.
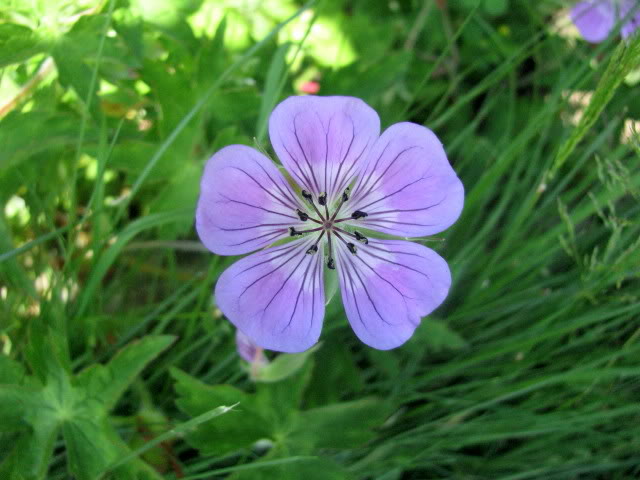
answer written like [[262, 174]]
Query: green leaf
[[76, 407], [301, 468], [109, 382], [13, 405], [88, 446], [10, 371], [53, 131], [237, 429], [31, 454], [18, 43], [341, 425], [284, 366]]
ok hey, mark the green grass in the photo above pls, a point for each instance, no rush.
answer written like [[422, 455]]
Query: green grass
[[115, 362]]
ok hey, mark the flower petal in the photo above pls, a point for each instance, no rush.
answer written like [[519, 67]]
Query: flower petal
[[248, 350], [323, 141], [387, 286], [408, 187], [245, 203], [633, 22], [594, 19], [276, 296]]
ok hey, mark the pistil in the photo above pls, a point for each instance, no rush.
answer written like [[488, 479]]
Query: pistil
[[327, 225]]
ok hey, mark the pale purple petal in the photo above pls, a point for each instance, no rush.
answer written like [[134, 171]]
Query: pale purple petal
[[248, 350], [276, 296], [408, 187], [322, 141], [388, 286], [594, 19], [630, 9], [245, 203]]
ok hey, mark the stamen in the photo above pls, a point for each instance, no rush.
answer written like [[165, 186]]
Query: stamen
[[361, 238], [314, 248], [302, 216], [307, 196], [331, 264], [359, 214], [322, 199], [344, 198], [352, 248], [294, 233]]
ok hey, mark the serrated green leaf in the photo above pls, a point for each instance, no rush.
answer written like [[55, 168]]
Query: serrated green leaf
[[110, 381]]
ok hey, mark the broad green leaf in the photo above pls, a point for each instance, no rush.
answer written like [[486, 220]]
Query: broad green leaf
[[77, 408], [18, 43], [53, 131], [302, 468], [341, 425], [237, 429], [110, 381], [11, 371], [31, 454], [89, 448], [14, 402], [284, 366]]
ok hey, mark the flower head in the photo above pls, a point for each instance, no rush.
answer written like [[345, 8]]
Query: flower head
[[596, 18], [352, 182]]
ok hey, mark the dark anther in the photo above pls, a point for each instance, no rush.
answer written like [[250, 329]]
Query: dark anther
[[293, 232], [331, 264], [345, 194], [302, 216], [312, 249], [359, 214], [322, 199], [307, 195], [352, 248], [361, 238]]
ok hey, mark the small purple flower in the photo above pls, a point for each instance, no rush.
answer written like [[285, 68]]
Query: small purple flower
[[249, 351], [352, 181], [596, 18]]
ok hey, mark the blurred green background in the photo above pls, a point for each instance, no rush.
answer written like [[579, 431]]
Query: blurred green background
[[115, 362]]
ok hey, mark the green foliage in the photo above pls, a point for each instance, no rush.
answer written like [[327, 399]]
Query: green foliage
[[108, 112], [75, 407]]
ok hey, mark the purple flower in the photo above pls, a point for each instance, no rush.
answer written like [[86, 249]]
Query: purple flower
[[249, 351], [596, 18], [352, 181]]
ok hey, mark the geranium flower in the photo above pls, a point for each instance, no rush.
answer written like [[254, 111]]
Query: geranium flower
[[351, 181], [596, 18]]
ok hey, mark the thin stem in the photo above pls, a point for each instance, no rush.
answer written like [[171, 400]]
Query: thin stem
[[313, 204], [345, 232], [300, 232]]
